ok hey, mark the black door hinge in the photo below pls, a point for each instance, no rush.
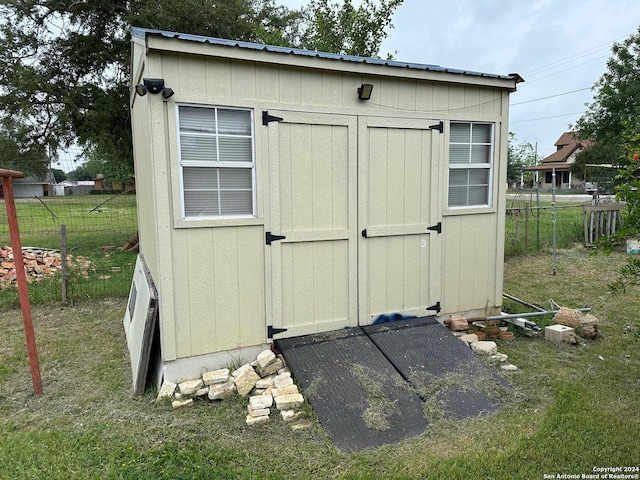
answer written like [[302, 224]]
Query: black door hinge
[[436, 308], [266, 118], [364, 233], [438, 126], [274, 331], [269, 237], [436, 228]]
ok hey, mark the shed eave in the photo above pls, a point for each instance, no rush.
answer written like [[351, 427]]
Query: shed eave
[[159, 40]]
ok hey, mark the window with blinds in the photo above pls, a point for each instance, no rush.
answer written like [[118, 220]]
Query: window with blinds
[[470, 164], [216, 162]]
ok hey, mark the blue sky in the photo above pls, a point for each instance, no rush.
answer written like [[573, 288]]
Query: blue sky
[[558, 46]]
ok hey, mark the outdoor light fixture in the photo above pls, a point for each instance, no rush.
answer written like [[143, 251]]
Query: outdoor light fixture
[[153, 85], [364, 92]]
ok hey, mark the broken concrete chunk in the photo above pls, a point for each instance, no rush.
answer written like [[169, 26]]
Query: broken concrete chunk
[[258, 402], [273, 367], [257, 420], [288, 390], [241, 369], [300, 426], [265, 382], [265, 358], [246, 380], [190, 387], [469, 338], [283, 381], [182, 403], [167, 390], [458, 323], [222, 390], [290, 415], [484, 348], [289, 402], [202, 392], [585, 324], [508, 368], [258, 413], [216, 376]]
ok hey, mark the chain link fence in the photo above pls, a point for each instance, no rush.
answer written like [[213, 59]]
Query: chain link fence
[[75, 247]]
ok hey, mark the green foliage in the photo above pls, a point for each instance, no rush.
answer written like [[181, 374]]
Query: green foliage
[[64, 66], [343, 28], [586, 162], [617, 98], [519, 157], [32, 161], [570, 408], [258, 21], [613, 122]]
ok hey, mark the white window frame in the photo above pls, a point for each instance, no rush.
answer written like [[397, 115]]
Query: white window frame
[[216, 165], [473, 166]]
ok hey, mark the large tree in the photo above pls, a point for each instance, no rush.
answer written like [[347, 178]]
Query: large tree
[[32, 162], [64, 65], [616, 103], [612, 121], [520, 156], [343, 28]]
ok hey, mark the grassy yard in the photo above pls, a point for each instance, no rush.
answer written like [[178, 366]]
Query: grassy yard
[[519, 240], [572, 408], [92, 221], [96, 225]]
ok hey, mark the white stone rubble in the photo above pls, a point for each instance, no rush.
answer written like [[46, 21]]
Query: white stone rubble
[[485, 349], [267, 383]]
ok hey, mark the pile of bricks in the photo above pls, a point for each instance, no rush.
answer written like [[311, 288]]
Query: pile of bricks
[[38, 263], [266, 382]]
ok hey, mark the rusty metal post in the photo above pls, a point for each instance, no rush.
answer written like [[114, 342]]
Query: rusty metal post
[[7, 188]]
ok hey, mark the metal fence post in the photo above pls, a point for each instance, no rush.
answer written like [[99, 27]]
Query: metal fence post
[[7, 188]]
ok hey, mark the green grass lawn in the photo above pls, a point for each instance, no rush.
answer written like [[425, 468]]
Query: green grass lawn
[[573, 408], [90, 222], [569, 219], [96, 225]]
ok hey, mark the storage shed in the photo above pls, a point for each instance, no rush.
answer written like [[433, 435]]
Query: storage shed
[[283, 192]]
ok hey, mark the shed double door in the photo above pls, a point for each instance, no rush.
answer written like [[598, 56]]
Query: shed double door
[[350, 203]]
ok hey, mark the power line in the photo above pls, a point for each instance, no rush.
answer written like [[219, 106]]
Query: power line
[[565, 69], [550, 96], [584, 53], [544, 118]]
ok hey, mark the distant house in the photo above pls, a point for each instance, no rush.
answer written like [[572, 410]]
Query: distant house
[[33, 186], [63, 187], [568, 146]]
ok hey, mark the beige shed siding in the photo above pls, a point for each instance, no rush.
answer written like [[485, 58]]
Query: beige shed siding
[[312, 190], [469, 273], [143, 151], [214, 280], [217, 288], [213, 80]]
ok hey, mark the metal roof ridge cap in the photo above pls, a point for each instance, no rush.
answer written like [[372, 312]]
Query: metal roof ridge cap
[[140, 32]]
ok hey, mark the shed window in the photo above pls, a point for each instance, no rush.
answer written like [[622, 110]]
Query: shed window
[[470, 164], [216, 162]]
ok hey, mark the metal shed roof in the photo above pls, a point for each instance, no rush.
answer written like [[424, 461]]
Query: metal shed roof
[[141, 33]]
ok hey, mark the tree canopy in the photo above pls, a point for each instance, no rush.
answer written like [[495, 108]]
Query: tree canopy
[[342, 28], [64, 66], [612, 117], [520, 156], [612, 121]]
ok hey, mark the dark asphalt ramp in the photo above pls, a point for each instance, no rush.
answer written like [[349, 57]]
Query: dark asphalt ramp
[[449, 377], [384, 383], [360, 399]]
